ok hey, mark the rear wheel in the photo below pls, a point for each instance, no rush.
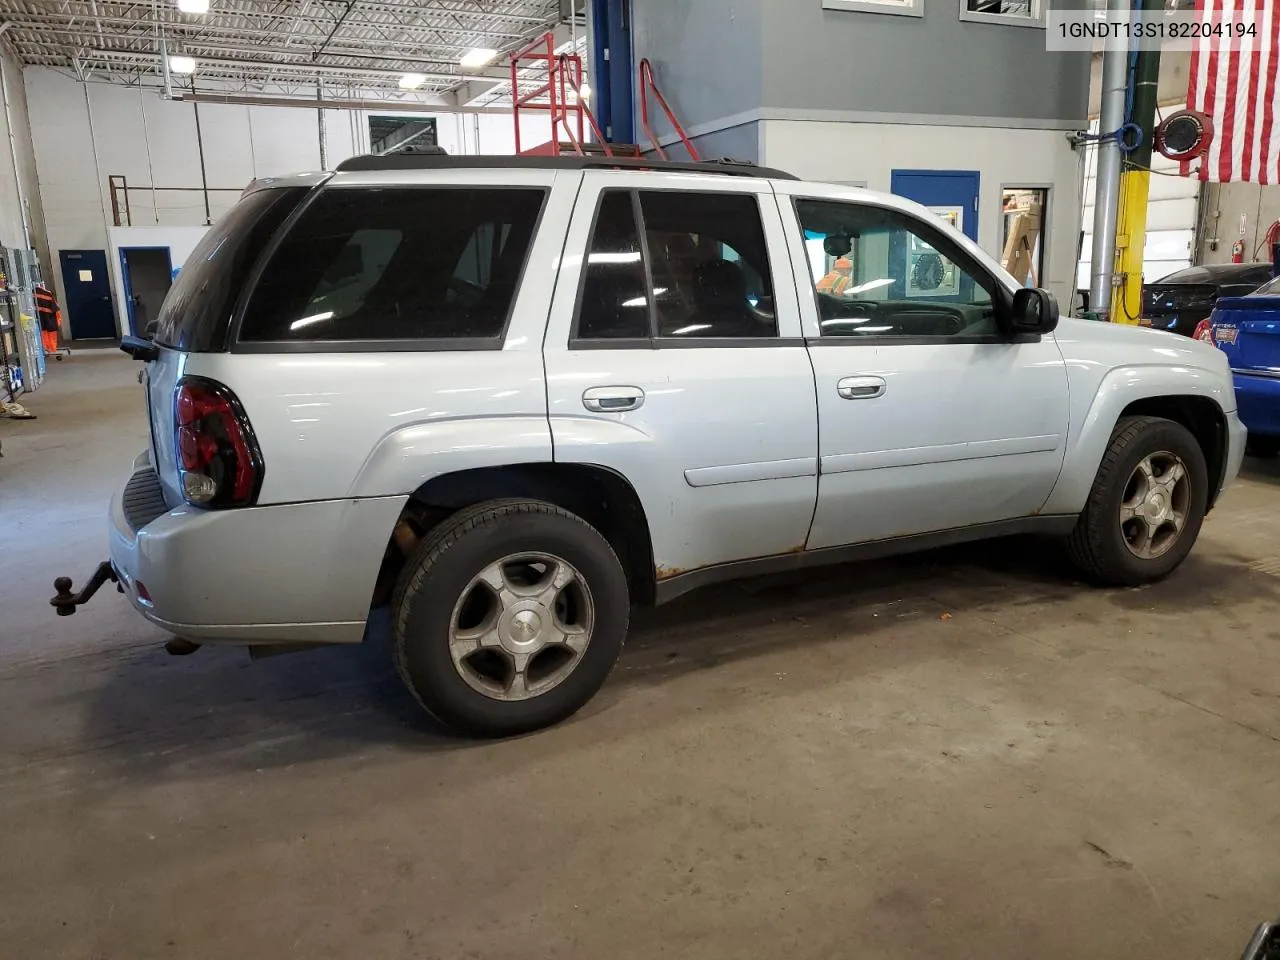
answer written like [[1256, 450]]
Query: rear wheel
[[508, 617], [1146, 506]]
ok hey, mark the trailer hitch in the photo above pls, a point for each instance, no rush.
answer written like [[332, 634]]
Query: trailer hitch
[[65, 602]]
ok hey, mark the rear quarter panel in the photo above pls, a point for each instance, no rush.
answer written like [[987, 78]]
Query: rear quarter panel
[[362, 423], [1108, 368]]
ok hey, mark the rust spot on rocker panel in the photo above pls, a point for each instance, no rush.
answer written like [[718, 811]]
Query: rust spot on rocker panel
[[661, 572]]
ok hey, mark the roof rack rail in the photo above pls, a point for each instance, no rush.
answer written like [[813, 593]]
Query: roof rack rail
[[442, 161]]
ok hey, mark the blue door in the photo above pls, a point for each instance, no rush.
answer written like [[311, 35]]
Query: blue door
[[952, 194], [88, 288]]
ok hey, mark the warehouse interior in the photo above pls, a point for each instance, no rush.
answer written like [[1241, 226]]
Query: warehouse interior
[[971, 748]]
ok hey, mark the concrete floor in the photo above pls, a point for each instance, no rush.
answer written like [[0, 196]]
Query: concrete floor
[[963, 754]]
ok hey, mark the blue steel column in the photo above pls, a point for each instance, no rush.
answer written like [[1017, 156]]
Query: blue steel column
[[611, 69], [598, 68], [621, 72]]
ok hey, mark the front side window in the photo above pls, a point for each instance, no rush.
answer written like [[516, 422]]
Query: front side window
[[396, 263], [877, 272], [706, 274]]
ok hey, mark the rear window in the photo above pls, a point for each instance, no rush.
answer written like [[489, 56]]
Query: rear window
[[396, 263], [196, 314]]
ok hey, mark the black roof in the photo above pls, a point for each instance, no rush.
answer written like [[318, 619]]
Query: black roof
[[1213, 273], [428, 161]]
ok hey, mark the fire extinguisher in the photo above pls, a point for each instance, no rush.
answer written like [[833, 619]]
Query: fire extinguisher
[[1237, 252]]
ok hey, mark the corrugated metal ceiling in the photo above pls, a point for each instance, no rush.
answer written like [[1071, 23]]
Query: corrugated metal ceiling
[[349, 47]]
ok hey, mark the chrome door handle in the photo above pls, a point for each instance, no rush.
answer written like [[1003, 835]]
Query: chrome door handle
[[861, 388], [612, 399]]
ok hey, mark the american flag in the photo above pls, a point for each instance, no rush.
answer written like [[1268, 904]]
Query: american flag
[[1234, 81]]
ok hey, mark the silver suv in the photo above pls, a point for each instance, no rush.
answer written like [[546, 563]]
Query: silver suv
[[510, 398]]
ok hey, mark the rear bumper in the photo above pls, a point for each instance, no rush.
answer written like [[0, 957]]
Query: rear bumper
[[1258, 400], [290, 573]]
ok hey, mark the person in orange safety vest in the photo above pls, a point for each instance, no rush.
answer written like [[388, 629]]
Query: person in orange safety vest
[[836, 283], [50, 316]]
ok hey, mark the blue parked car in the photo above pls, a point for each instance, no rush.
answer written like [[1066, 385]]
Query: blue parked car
[[1247, 330]]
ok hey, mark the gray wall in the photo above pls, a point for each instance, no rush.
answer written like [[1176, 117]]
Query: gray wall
[[705, 53], [737, 143], [1221, 209], [719, 58], [936, 65]]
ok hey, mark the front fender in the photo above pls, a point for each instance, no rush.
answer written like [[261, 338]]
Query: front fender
[[409, 456], [1089, 436]]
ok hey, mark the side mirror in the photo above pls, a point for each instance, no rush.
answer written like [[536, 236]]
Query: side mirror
[[1034, 311]]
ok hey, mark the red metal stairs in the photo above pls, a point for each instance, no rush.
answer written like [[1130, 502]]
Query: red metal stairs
[[559, 94]]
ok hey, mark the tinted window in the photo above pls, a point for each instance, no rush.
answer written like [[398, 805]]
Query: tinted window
[[880, 273], [710, 265], [197, 310], [615, 293], [707, 273], [396, 264]]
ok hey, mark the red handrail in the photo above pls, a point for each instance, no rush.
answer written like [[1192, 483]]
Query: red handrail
[[647, 83], [573, 79], [564, 74]]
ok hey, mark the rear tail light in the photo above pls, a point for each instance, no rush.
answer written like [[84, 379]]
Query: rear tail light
[[1204, 331], [219, 464]]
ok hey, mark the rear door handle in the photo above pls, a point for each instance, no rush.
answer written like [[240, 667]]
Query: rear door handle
[[861, 388], [612, 399]]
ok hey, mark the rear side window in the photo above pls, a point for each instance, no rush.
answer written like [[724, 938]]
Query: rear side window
[[396, 263], [196, 314], [701, 270]]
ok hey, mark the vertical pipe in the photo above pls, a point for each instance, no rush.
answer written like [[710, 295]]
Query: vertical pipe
[[324, 163], [151, 170], [204, 179], [1115, 60], [164, 70]]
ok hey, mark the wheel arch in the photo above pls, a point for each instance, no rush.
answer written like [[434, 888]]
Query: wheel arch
[[1183, 395], [599, 495]]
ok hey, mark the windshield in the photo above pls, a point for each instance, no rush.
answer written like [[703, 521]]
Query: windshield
[[196, 314]]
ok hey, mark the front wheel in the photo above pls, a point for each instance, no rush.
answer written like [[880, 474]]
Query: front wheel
[[508, 617], [1146, 506]]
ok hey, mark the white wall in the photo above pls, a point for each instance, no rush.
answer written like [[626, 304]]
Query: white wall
[[869, 152], [11, 234], [180, 241], [85, 133]]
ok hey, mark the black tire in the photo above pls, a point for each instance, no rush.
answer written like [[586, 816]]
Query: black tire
[[1097, 546], [1262, 446], [438, 573]]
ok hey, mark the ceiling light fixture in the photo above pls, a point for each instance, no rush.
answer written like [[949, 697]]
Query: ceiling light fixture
[[478, 57], [193, 6], [184, 65], [412, 81]]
